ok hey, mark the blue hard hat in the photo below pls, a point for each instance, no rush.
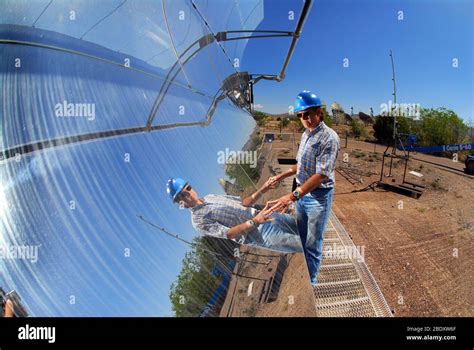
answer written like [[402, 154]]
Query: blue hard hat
[[175, 186], [306, 99]]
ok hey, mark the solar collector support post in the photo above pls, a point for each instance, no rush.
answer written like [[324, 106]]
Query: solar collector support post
[[296, 36]]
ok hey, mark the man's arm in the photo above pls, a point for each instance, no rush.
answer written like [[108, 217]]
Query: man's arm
[[289, 172], [325, 166], [275, 180], [239, 230], [243, 228], [250, 200], [215, 229], [281, 205], [311, 184]]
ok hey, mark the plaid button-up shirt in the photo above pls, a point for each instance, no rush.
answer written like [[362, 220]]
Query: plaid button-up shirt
[[317, 154], [219, 214]]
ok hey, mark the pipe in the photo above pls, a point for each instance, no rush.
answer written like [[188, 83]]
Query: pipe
[[296, 36]]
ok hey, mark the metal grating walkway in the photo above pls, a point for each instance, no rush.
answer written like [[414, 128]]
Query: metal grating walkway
[[345, 287]]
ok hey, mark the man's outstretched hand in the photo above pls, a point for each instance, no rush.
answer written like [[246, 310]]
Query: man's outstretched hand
[[280, 205]]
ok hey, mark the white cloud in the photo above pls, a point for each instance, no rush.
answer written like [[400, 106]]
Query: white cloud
[[257, 106]]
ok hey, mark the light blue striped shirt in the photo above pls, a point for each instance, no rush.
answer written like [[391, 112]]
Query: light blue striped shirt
[[219, 214], [317, 154]]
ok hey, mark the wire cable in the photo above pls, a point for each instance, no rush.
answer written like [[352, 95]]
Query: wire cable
[[41, 14], [172, 43], [103, 18], [214, 34]]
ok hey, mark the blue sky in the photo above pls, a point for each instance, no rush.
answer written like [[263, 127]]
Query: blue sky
[[424, 43]]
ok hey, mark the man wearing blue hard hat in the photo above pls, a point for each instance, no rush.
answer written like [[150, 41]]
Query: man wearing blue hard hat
[[316, 162], [230, 217]]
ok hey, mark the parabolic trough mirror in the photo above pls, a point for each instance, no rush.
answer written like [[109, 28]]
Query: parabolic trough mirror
[[102, 103]]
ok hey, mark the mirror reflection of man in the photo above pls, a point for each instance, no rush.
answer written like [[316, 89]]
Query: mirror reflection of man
[[231, 217], [316, 162]]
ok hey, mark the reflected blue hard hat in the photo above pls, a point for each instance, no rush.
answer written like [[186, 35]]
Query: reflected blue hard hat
[[306, 99], [175, 186]]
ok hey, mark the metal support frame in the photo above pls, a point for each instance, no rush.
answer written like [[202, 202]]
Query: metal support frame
[[414, 190], [404, 187], [67, 140], [168, 81]]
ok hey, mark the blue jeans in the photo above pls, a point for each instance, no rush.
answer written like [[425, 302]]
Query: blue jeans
[[312, 217], [280, 235]]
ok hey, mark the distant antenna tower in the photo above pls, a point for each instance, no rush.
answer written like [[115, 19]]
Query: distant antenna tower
[[394, 96], [403, 186]]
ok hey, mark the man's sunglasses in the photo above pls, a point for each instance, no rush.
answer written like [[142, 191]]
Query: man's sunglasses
[[183, 193], [304, 115]]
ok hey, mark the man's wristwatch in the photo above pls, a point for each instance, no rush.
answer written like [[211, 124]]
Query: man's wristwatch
[[295, 195], [252, 223]]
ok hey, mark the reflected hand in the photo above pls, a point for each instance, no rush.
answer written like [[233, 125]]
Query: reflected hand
[[273, 182], [264, 215], [269, 185]]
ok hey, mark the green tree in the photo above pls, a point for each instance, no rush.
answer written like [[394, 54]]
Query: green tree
[[258, 115], [357, 129], [195, 284], [327, 119], [260, 118], [284, 122], [192, 289], [440, 126], [243, 174], [383, 128]]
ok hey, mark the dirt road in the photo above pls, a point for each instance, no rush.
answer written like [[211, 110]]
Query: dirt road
[[420, 251]]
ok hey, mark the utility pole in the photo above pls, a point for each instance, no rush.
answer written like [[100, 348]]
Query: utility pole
[[394, 97], [395, 131]]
